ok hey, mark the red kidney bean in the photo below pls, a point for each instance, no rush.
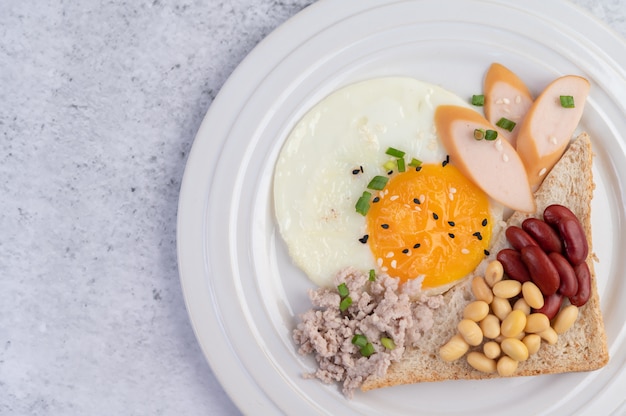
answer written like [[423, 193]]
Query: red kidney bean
[[541, 269], [519, 238], [513, 265], [545, 236], [553, 214], [551, 305], [574, 240], [583, 274], [569, 282]]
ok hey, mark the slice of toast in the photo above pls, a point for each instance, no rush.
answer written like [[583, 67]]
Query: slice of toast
[[582, 348]]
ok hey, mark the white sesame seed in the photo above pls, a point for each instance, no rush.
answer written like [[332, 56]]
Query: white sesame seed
[[499, 101], [465, 251], [499, 144], [379, 261], [451, 196], [389, 255], [542, 171], [453, 190], [518, 99], [507, 110], [417, 208], [505, 157], [394, 264], [553, 140], [383, 269], [393, 198]]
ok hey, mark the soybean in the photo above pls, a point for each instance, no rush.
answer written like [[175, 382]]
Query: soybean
[[454, 349], [476, 311], [470, 331], [501, 307], [481, 290], [506, 366], [532, 342], [565, 319], [536, 322], [513, 324], [521, 305], [480, 362], [550, 336], [490, 326], [515, 349], [532, 295], [494, 273], [492, 350], [507, 289]]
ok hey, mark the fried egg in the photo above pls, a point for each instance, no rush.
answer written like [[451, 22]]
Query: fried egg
[[426, 222]]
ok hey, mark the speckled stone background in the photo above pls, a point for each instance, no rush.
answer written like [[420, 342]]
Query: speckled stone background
[[99, 105]]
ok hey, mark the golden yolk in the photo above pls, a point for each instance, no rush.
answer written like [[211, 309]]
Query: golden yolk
[[432, 222]]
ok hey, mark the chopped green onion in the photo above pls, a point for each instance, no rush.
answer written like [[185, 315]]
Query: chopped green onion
[[479, 134], [478, 100], [378, 182], [388, 343], [343, 290], [491, 135], [415, 163], [363, 204], [506, 124], [359, 340], [367, 350], [389, 165], [345, 303], [567, 101], [394, 152], [401, 165], [372, 275]]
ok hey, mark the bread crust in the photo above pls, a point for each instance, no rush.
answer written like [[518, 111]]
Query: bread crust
[[582, 348]]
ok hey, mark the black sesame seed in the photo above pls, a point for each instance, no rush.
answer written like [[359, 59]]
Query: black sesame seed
[[478, 235], [450, 235], [356, 171], [451, 223], [417, 201], [484, 222], [435, 216], [390, 172], [405, 251], [445, 162], [385, 226], [418, 168], [361, 168], [417, 245], [376, 199], [364, 238], [486, 252]]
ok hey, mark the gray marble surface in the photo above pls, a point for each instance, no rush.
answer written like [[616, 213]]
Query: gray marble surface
[[99, 105]]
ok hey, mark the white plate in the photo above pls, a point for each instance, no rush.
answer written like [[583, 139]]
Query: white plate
[[242, 292]]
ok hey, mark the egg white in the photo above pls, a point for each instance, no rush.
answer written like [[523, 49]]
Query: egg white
[[315, 190]]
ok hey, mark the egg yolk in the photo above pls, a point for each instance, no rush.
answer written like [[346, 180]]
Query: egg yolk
[[431, 222]]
